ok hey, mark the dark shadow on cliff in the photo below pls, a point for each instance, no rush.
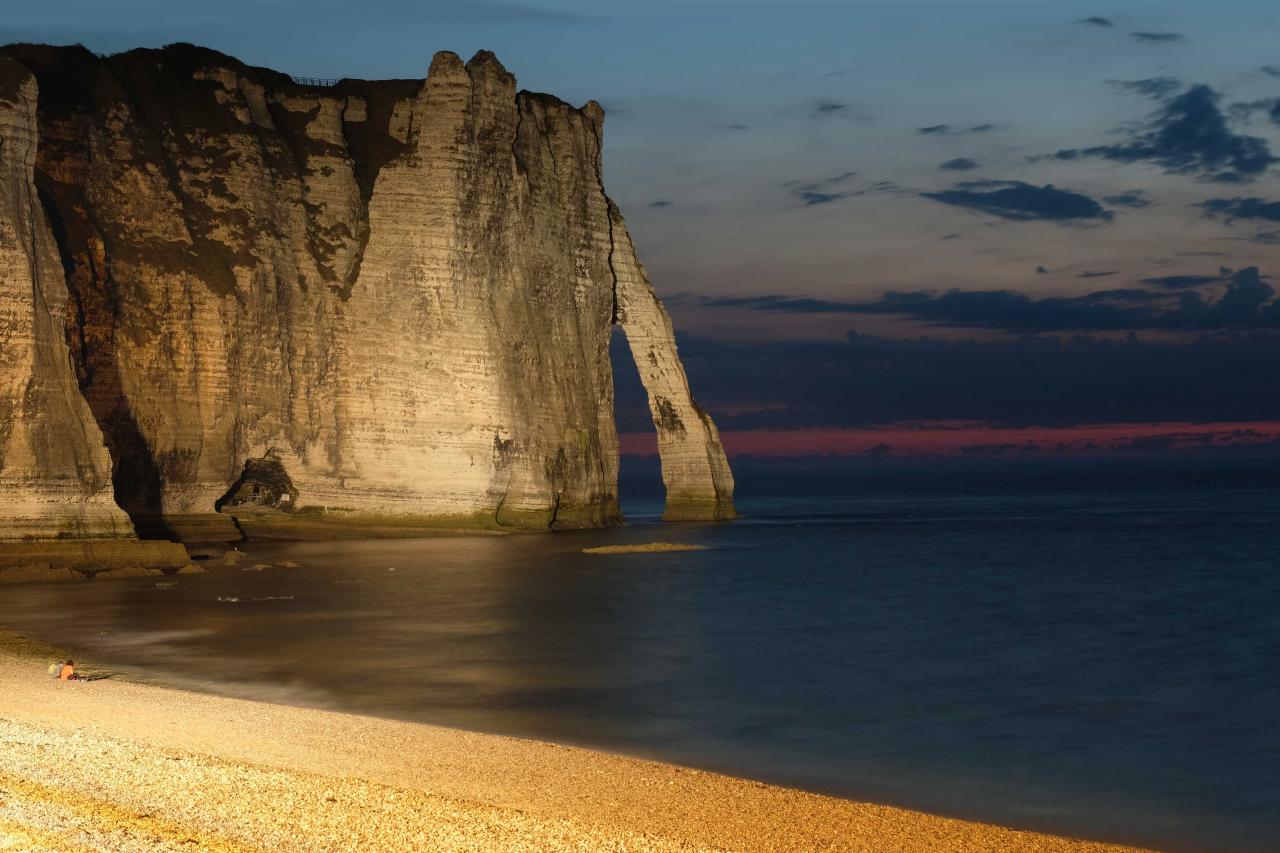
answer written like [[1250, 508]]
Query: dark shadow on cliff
[[135, 475]]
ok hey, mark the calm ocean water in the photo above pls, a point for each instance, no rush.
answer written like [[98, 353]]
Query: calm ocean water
[[1090, 649]]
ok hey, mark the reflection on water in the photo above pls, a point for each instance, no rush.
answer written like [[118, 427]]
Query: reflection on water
[[1084, 652]]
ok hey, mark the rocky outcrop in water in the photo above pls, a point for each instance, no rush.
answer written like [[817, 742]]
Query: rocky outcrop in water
[[368, 303]]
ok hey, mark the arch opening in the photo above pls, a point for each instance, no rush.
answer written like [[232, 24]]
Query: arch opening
[[641, 492]]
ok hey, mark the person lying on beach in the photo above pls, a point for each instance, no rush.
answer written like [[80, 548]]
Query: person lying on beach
[[68, 672]]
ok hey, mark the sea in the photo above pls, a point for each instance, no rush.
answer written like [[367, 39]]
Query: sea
[[1084, 647]]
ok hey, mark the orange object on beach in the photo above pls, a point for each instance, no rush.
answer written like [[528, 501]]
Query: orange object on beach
[[68, 672]]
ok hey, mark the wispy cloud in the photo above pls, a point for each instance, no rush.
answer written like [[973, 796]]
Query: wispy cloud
[[1129, 198], [1153, 87], [823, 191], [1246, 110], [952, 130]]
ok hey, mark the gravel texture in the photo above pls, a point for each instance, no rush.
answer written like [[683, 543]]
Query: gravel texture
[[116, 766]]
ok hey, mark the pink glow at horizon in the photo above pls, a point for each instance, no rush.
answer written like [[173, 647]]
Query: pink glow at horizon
[[950, 438]]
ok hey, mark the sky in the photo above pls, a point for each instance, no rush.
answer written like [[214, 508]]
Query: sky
[[1027, 214]]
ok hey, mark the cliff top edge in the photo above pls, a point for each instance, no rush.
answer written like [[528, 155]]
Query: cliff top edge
[[183, 59]]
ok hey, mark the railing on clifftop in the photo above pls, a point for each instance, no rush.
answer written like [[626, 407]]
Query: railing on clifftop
[[323, 82]]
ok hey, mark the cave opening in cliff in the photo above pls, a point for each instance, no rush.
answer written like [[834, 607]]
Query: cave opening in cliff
[[263, 483], [641, 493]]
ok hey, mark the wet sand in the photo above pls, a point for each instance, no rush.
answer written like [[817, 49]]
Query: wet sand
[[118, 766]]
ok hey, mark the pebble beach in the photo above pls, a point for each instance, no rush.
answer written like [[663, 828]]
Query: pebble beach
[[113, 765]]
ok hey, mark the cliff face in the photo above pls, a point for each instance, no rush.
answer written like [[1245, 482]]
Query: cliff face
[[373, 302], [55, 475]]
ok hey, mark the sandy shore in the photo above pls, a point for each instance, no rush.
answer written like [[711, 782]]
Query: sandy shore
[[113, 765]]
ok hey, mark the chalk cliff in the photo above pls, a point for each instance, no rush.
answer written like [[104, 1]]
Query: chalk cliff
[[372, 303], [55, 474]]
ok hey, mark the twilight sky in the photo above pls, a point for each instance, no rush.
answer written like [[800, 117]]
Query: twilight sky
[[1037, 214]]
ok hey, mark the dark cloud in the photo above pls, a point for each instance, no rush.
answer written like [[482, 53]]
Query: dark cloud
[[826, 108], [960, 164], [810, 198], [1189, 135], [997, 309], [1096, 21], [824, 191], [1247, 302], [1124, 294], [949, 130], [1270, 71], [737, 127], [1155, 38], [1182, 282], [1152, 442], [1022, 202], [1041, 380], [772, 302], [1011, 311], [1231, 209], [1242, 208], [1097, 273], [1042, 271], [1129, 198], [888, 187], [662, 202], [989, 449]]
